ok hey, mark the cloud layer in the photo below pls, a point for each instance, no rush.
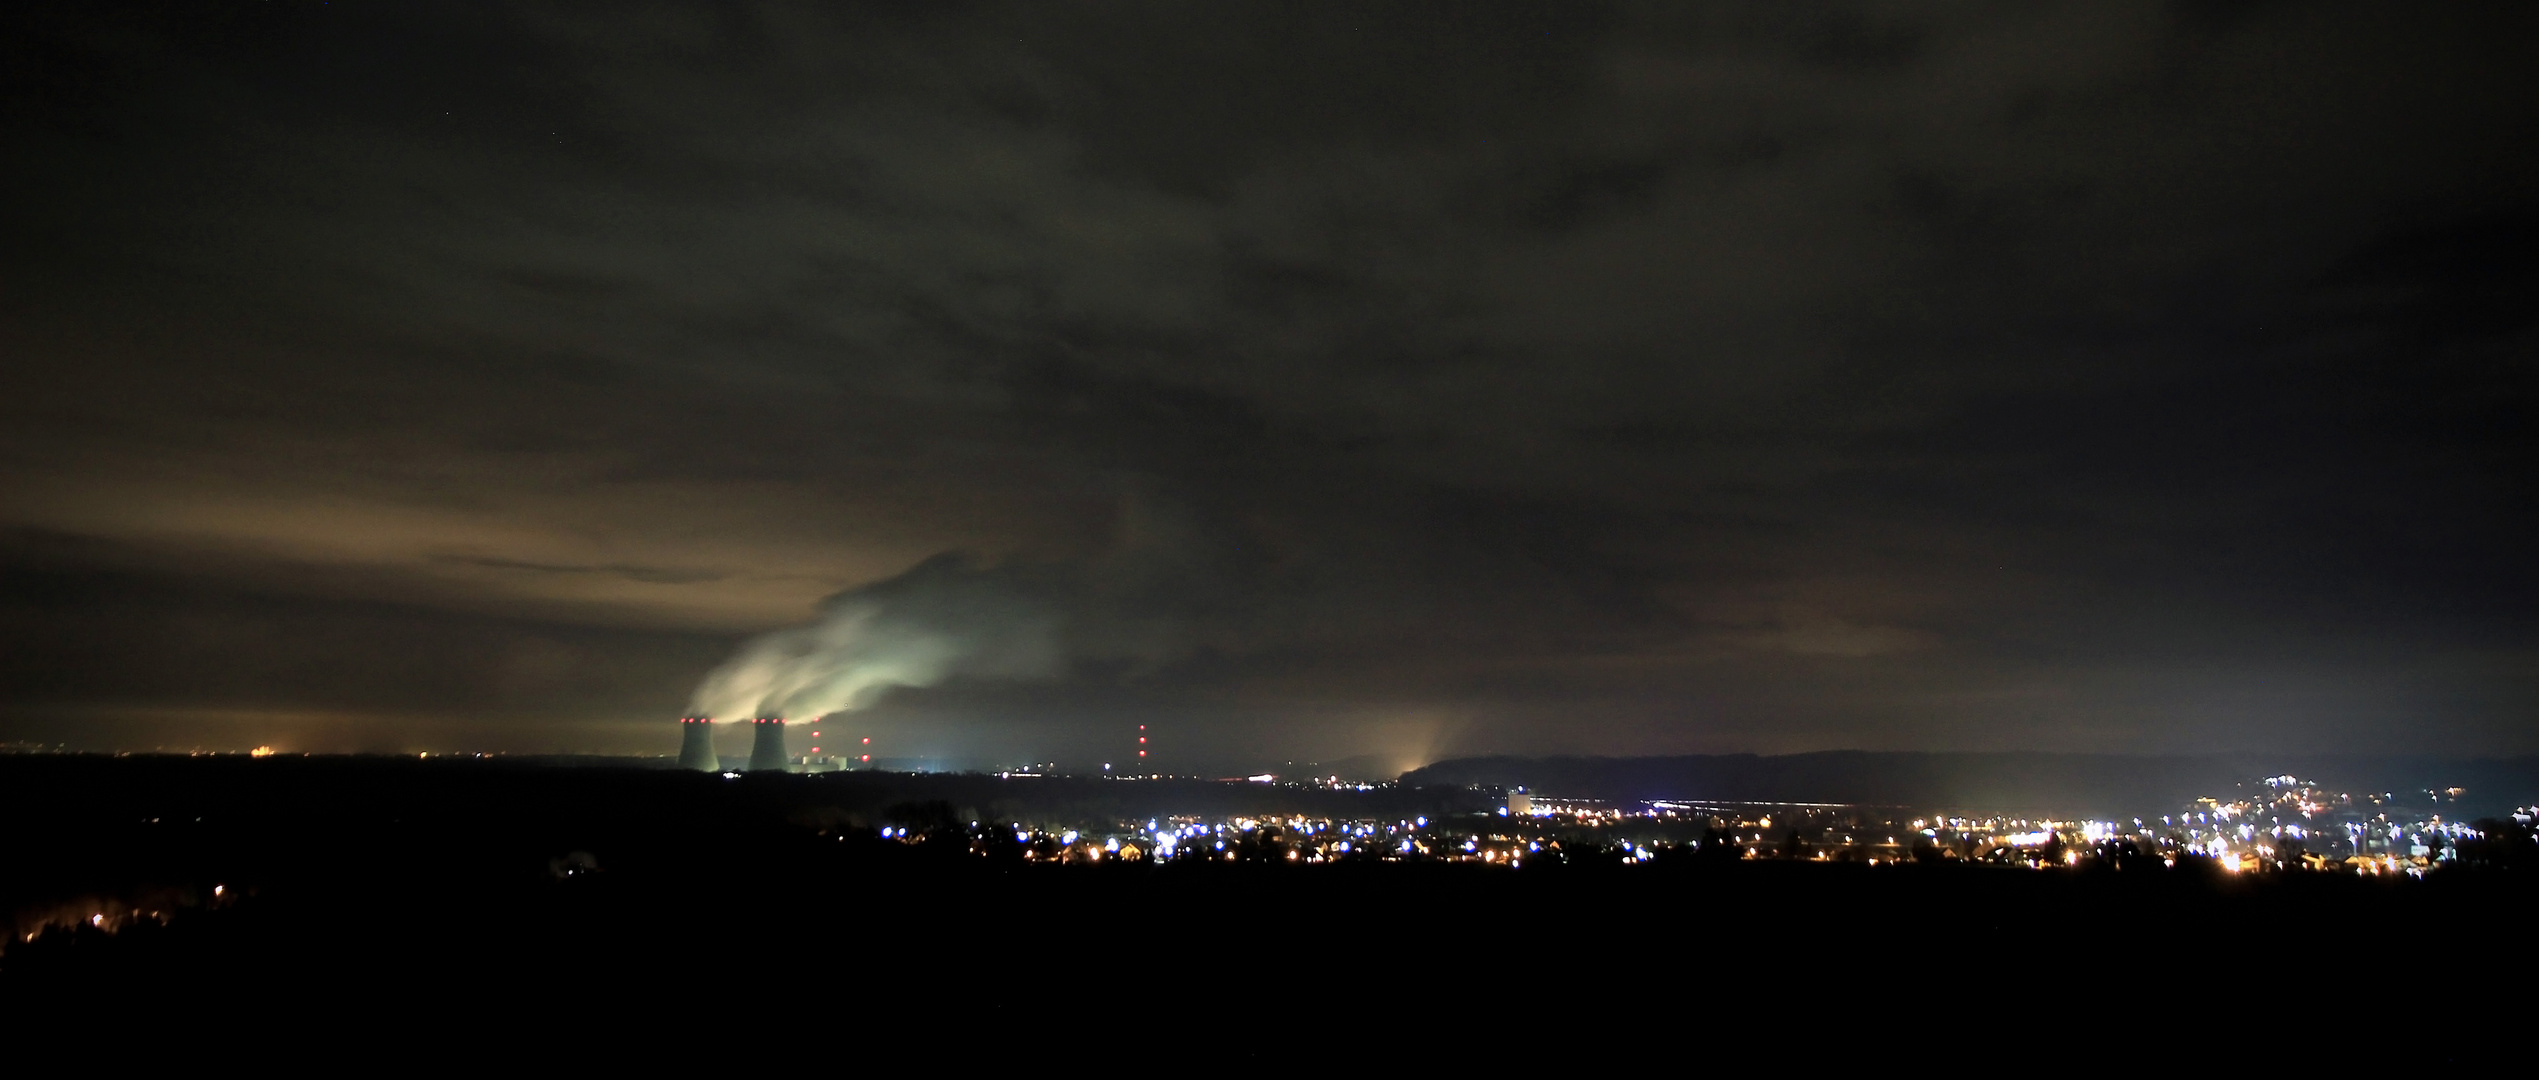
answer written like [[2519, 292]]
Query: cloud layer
[[1602, 378]]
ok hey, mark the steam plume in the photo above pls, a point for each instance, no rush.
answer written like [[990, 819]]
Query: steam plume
[[947, 617]]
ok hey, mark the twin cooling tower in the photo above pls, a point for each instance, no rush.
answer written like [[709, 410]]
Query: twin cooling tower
[[766, 748]]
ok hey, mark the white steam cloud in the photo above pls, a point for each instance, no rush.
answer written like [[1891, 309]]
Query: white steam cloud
[[945, 618]]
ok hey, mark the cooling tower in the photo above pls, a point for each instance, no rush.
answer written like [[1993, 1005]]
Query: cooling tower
[[767, 745], [696, 744]]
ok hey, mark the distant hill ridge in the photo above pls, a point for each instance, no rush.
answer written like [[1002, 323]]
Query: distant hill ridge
[[2096, 784]]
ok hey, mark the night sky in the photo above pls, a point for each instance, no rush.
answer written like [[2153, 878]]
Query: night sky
[[1302, 380]]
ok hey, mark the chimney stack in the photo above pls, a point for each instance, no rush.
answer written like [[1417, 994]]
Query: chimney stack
[[767, 747], [696, 744]]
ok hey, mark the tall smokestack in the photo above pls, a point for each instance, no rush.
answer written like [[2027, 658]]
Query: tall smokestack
[[696, 744], [767, 748]]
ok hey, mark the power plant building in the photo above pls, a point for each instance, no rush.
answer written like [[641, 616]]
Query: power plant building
[[696, 744], [767, 744]]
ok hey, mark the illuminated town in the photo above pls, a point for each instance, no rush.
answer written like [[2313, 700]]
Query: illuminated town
[[2284, 825], [490, 857]]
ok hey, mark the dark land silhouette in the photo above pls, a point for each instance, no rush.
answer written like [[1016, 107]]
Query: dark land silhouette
[[491, 893]]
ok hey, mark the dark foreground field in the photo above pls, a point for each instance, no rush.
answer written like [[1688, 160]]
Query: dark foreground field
[[424, 895]]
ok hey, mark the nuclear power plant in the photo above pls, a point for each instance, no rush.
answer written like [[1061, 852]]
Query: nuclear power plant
[[767, 744], [696, 744]]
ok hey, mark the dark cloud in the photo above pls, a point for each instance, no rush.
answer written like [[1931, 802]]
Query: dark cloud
[[1347, 378]]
